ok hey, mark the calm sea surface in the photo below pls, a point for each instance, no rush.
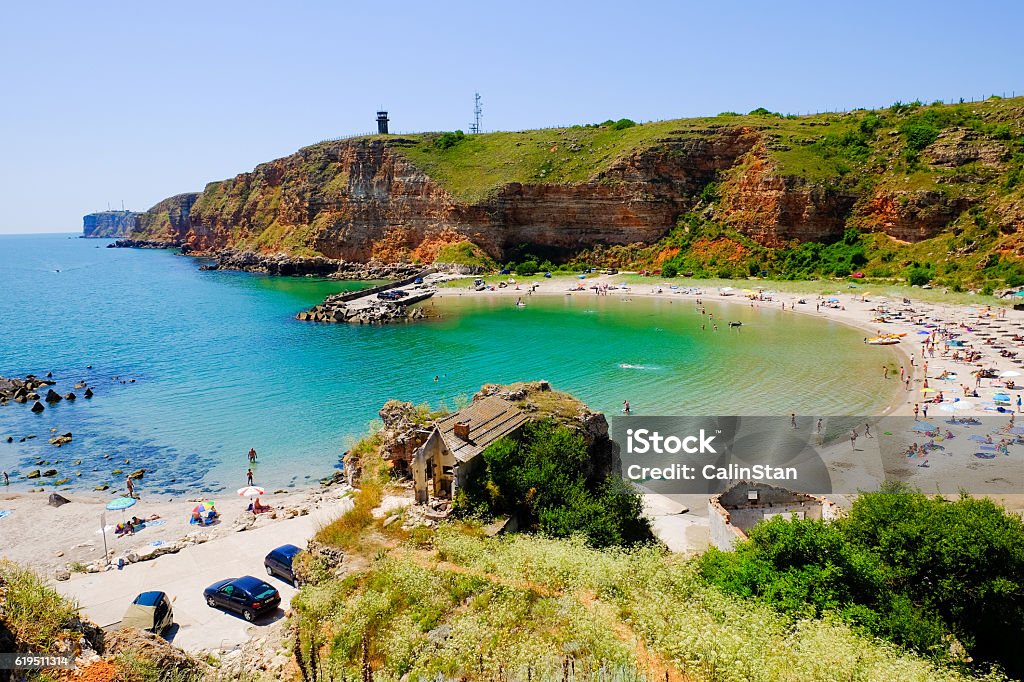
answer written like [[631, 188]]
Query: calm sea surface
[[220, 365]]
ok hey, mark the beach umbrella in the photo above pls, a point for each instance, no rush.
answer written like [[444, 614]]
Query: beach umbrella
[[1009, 373], [121, 503], [929, 390], [956, 406], [250, 491], [923, 426], [924, 332], [1001, 396], [203, 507]]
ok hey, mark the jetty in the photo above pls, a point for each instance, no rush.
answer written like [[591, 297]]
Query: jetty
[[380, 304]]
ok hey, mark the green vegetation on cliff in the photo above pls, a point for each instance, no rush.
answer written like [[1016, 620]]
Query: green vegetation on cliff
[[455, 603], [922, 572]]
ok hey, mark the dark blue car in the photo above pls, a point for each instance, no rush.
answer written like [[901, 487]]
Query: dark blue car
[[279, 562], [247, 595]]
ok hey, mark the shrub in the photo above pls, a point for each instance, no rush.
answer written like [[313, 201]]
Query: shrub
[[527, 268], [919, 134], [623, 123], [449, 140], [669, 270], [918, 276]]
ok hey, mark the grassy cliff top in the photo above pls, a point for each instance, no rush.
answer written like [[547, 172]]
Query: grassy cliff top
[[818, 147]]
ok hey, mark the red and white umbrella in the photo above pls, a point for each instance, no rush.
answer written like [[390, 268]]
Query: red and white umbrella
[[250, 491]]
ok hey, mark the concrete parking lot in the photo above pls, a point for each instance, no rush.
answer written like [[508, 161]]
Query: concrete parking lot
[[184, 575]]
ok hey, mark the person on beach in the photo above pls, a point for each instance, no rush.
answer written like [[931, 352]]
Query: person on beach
[[853, 438], [903, 373], [130, 484], [625, 407], [885, 371], [7, 479], [917, 409], [252, 455], [924, 410], [1018, 409], [248, 477], [867, 430], [792, 419], [817, 427]]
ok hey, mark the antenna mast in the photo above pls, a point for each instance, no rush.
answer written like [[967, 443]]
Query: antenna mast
[[474, 127]]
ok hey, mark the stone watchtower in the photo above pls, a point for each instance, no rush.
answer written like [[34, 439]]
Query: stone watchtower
[[382, 123]]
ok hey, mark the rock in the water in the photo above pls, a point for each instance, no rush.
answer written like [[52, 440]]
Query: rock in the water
[[52, 396], [33, 474], [62, 439], [102, 487], [138, 473], [88, 393], [57, 500], [38, 407], [70, 396], [50, 472]]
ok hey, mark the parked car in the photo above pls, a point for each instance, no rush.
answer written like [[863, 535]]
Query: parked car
[[611, 271], [247, 595], [388, 296], [149, 611], [279, 562]]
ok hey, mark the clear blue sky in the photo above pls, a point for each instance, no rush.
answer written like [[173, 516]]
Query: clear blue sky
[[104, 101]]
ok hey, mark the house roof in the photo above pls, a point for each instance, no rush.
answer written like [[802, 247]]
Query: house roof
[[489, 419]]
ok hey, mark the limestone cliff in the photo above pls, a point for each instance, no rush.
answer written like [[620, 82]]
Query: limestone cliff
[[910, 172], [109, 224]]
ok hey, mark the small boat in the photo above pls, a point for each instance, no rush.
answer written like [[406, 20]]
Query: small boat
[[882, 341]]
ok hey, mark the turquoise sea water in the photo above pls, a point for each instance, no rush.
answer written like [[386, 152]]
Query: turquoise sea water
[[221, 365]]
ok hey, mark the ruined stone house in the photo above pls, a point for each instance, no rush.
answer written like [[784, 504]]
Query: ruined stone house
[[732, 513], [449, 454]]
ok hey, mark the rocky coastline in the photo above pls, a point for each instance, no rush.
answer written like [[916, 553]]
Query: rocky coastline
[[146, 244], [281, 264]]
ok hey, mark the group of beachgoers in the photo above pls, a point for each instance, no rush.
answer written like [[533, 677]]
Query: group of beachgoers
[[134, 524]]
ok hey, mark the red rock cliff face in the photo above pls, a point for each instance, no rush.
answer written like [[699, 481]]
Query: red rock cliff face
[[775, 209], [362, 198]]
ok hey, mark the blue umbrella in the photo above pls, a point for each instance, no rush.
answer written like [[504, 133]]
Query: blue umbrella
[[121, 503], [1001, 396], [923, 426], [924, 332]]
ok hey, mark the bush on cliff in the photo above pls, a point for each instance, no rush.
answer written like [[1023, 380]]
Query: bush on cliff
[[915, 570], [540, 477], [449, 140]]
